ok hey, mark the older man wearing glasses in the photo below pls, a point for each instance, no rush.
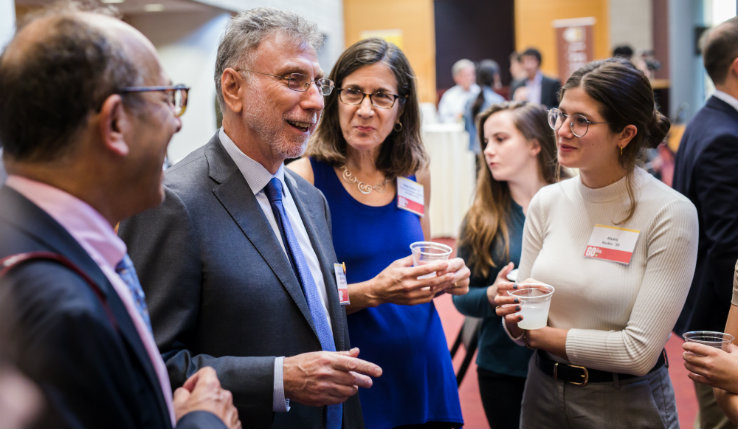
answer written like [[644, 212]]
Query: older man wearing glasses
[[85, 118], [238, 262]]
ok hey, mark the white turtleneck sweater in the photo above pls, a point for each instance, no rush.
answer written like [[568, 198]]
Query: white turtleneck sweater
[[619, 316]]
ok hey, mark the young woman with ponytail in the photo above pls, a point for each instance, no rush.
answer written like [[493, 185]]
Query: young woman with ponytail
[[619, 247]]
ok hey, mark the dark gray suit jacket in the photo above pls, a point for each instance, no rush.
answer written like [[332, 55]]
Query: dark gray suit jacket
[[221, 290], [549, 90], [706, 172]]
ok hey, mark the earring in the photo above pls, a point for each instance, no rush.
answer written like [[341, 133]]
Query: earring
[[621, 151], [397, 127]]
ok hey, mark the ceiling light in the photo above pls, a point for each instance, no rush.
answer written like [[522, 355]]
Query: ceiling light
[[112, 1], [154, 7]]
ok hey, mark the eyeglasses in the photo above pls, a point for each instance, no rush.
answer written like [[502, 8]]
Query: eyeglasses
[[355, 96], [300, 82], [176, 95], [578, 124]]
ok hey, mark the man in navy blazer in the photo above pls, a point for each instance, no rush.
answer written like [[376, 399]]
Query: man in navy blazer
[[213, 259], [706, 171], [85, 119], [536, 87]]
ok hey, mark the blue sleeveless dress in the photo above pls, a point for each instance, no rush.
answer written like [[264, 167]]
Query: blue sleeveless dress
[[418, 383]]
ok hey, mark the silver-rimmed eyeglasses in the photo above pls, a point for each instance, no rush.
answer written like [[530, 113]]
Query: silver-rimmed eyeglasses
[[300, 82], [578, 124], [355, 96], [176, 95]]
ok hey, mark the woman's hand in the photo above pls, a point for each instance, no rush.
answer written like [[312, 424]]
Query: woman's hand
[[506, 305], [458, 284], [501, 283], [399, 282], [713, 366]]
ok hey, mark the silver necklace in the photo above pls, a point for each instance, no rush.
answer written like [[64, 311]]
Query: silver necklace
[[364, 188]]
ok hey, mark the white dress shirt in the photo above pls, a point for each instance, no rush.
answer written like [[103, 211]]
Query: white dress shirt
[[257, 178]]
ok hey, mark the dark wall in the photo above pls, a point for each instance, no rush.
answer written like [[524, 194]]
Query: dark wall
[[473, 29]]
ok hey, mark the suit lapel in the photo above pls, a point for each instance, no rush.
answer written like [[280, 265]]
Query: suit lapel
[[323, 245], [50, 235], [234, 194]]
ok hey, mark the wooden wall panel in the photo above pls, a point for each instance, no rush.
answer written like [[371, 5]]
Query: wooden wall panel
[[534, 26], [414, 18]]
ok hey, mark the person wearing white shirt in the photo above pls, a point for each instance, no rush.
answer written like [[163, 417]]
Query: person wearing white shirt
[[453, 101]]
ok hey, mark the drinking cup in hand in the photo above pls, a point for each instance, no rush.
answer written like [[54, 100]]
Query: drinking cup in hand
[[428, 251], [719, 340], [535, 300]]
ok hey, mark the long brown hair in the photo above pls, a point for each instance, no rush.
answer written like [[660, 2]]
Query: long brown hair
[[486, 221], [402, 153]]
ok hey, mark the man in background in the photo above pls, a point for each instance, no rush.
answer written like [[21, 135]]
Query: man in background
[[238, 262], [454, 100], [85, 119], [706, 171], [536, 87]]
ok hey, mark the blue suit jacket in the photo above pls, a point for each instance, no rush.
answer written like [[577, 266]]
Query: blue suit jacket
[[706, 171], [55, 330]]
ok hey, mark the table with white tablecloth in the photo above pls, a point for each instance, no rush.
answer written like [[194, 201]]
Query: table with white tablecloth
[[452, 176]]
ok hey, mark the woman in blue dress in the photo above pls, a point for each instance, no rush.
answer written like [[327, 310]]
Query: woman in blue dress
[[367, 143], [518, 157]]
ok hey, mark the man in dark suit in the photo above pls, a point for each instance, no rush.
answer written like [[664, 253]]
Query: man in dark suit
[[235, 282], [706, 171], [83, 150], [536, 87]]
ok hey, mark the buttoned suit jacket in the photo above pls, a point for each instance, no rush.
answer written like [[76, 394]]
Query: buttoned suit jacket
[[549, 90], [706, 172], [55, 330], [221, 290]]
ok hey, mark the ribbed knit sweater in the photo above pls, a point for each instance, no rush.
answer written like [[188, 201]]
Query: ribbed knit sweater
[[619, 316]]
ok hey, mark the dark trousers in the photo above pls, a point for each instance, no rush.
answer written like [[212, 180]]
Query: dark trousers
[[501, 397]]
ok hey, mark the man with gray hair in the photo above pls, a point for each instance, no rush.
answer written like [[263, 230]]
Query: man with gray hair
[[454, 100], [238, 262]]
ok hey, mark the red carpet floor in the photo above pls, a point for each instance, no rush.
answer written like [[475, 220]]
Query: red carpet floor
[[471, 404]]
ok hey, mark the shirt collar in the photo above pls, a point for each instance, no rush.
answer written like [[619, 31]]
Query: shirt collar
[[255, 174], [727, 98], [81, 220], [536, 79]]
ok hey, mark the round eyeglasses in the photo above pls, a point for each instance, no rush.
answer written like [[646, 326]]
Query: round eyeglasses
[[355, 96], [176, 95], [300, 82], [578, 124]]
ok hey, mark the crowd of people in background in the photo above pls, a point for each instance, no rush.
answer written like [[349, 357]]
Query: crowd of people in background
[[233, 290]]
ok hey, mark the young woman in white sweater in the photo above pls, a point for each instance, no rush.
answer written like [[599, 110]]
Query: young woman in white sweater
[[619, 247]]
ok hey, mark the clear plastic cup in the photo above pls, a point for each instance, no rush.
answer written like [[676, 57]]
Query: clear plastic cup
[[719, 340], [428, 251], [535, 300]]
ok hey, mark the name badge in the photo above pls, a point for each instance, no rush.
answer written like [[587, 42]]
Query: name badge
[[612, 243], [410, 196], [343, 295]]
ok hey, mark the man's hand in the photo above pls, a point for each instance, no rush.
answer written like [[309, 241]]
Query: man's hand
[[326, 378], [202, 392]]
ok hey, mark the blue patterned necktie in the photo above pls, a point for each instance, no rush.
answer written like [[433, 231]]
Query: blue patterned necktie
[[273, 190], [126, 271]]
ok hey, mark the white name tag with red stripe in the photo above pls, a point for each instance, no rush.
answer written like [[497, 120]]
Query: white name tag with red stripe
[[410, 196], [341, 283], [612, 243]]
